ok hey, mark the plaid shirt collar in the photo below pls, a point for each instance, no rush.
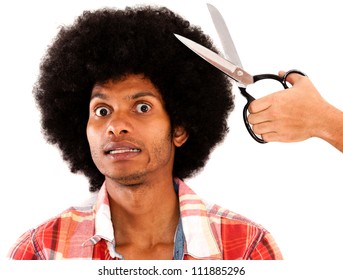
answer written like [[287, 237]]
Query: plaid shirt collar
[[200, 244]]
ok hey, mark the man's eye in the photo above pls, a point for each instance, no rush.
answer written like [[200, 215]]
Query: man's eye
[[143, 108], [102, 111]]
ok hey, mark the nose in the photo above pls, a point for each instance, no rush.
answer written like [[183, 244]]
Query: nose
[[119, 124]]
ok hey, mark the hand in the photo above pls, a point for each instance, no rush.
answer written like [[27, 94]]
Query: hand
[[290, 115]]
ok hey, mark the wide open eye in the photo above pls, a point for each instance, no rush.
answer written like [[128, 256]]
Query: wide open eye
[[102, 111], [143, 108]]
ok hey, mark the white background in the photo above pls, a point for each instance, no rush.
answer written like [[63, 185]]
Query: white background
[[293, 190]]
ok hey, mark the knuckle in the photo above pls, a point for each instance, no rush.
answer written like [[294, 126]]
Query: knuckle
[[252, 107], [257, 128]]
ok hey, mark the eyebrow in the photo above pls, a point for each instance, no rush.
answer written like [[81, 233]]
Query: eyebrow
[[141, 94], [99, 95], [129, 97]]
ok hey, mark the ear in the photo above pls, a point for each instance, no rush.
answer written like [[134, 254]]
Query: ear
[[180, 136]]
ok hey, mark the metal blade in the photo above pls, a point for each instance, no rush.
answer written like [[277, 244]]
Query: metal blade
[[230, 69], [224, 36]]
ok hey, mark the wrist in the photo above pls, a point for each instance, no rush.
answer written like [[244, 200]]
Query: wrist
[[330, 126]]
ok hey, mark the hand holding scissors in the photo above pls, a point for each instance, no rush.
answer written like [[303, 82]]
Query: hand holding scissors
[[233, 66]]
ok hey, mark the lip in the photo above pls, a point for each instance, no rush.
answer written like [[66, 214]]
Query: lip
[[121, 150]]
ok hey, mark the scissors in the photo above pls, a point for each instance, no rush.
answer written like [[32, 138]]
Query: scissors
[[232, 65]]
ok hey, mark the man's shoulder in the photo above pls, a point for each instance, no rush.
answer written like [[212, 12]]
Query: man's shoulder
[[192, 204], [226, 233], [228, 216], [73, 219], [51, 239]]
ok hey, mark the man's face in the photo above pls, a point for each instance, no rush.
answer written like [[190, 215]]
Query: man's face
[[129, 131]]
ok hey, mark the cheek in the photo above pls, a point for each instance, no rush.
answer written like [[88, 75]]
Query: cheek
[[94, 147], [161, 131], [162, 140], [91, 135]]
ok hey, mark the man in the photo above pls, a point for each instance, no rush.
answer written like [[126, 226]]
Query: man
[[296, 114], [136, 112]]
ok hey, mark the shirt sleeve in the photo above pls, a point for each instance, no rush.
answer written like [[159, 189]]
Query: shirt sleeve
[[266, 249], [23, 249], [242, 239]]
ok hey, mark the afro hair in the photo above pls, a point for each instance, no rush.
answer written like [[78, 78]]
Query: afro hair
[[110, 43]]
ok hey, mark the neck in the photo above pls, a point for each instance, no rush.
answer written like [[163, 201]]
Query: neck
[[146, 214]]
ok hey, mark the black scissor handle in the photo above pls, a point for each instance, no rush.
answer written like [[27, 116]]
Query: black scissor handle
[[281, 80], [245, 115], [293, 71]]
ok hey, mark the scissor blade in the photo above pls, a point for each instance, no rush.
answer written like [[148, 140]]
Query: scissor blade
[[224, 36], [230, 69]]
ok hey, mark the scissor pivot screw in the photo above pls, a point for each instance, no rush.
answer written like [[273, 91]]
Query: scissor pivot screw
[[240, 73]]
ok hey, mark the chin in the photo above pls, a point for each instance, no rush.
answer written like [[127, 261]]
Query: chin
[[130, 180]]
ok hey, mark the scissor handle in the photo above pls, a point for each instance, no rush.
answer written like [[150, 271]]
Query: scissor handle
[[245, 115], [281, 80]]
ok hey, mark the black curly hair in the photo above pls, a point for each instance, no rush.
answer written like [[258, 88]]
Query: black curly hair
[[108, 44]]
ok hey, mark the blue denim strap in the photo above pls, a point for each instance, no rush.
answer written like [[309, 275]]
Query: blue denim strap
[[179, 242]]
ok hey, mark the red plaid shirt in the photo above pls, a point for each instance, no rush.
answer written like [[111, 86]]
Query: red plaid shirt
[[210, 232]]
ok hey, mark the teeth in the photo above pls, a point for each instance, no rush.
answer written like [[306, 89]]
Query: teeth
[[124, 151]]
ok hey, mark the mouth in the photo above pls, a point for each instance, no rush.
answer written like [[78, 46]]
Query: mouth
[[123, 151]]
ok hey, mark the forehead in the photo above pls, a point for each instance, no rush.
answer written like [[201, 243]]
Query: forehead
[[128, 87]]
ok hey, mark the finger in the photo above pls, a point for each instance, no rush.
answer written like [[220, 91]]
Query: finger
[[292, 77], [277, 137], [259, 105], [259, 117], [270, 137], [263, 128], [282, 73]]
